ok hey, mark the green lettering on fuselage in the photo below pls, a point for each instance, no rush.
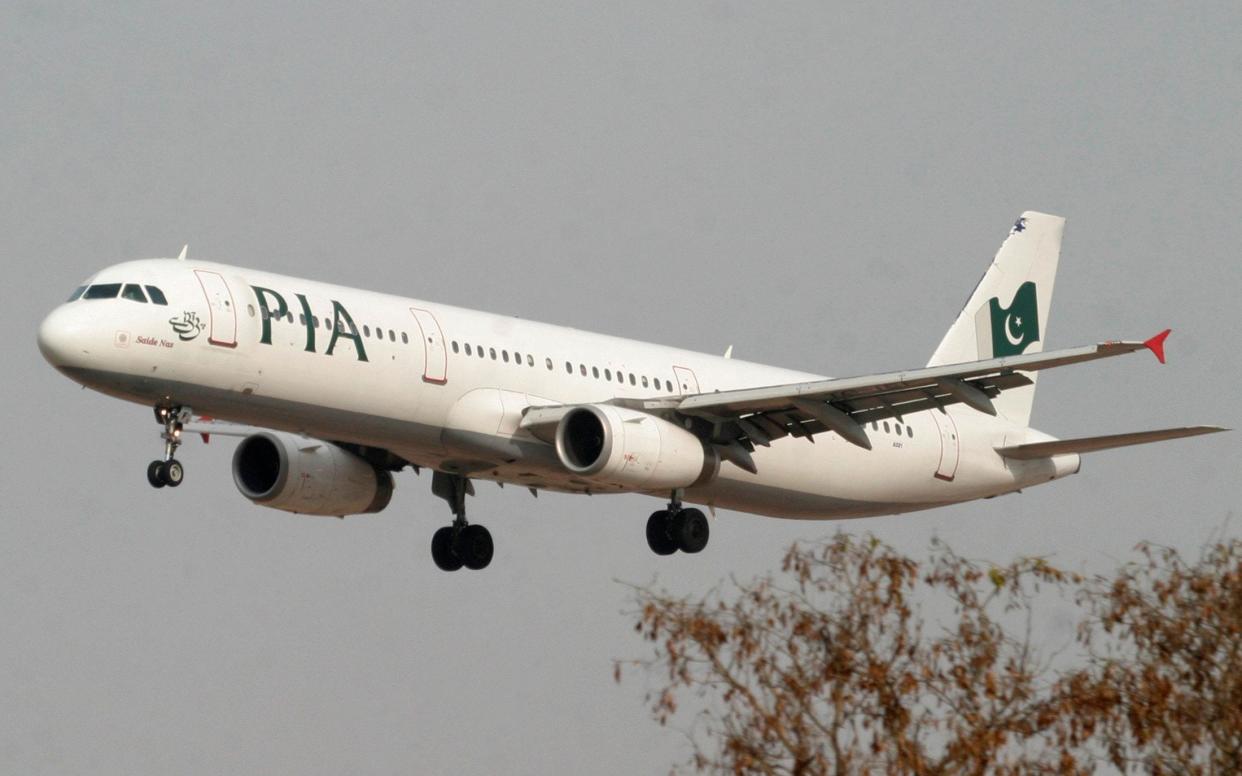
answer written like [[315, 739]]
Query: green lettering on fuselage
[[272, 307], [267, 313], [310, 323], [339, 313]]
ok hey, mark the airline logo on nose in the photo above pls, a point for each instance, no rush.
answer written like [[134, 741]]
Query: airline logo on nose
[[187, 326], [1016, 326]]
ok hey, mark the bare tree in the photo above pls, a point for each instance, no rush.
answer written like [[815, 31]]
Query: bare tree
[[832, 665], [1166, 673]]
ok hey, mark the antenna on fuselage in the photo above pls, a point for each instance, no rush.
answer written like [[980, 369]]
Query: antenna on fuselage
[[184, 250]]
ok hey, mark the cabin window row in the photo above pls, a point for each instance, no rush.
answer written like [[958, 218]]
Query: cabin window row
[[367, 332], [517, 358], [897, 428]]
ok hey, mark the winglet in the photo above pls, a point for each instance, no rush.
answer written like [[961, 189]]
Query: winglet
[[184, 251], [1156, 344]]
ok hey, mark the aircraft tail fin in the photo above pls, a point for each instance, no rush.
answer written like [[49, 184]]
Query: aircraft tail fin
[[1007, 314]]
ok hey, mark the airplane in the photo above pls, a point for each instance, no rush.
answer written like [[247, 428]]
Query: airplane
[[334, 389]]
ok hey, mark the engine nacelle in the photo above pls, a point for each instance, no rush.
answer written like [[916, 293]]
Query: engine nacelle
[[631, 449], [308, 476]]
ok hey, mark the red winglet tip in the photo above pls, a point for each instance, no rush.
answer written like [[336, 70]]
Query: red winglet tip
[[1156, 344]]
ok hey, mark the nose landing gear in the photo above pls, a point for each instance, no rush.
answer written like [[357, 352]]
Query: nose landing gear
[[677, 528], [459, 544], [169, 471]]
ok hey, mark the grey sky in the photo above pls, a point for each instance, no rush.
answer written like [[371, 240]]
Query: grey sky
[[819, 187]]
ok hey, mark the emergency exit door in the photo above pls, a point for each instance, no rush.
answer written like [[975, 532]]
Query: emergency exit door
[[435, 366]]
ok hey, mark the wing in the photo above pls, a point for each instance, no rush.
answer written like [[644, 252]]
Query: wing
[[741, 419]]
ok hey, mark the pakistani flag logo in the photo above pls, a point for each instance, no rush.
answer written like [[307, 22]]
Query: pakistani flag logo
[[1016, 326]]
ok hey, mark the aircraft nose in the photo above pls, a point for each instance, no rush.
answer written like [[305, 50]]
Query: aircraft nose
[[60, 337]]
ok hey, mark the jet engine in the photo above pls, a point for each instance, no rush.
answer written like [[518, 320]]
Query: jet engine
[[631, 449], [308, 476]]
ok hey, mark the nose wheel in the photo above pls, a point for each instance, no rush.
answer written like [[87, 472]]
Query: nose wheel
[[169, 471], [460, 544]]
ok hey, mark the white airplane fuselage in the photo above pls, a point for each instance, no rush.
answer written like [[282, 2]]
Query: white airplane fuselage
[[218, 347]]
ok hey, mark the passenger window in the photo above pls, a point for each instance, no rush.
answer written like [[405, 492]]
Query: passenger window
[[479, 350], [568, 367], [77, 292], [366, 330], [392, 336], [644, 381], [582, 369], [302, 318], [620, 378], [910, 431], [455, 350], [250, 309], [886, 427], [157, 296], [492, 352], [632, 379], [404, 339], [517, 358], [504, 355], [669, 385], [468, 353], [530, 361], [595, 372], [607, 375], [103, 291]]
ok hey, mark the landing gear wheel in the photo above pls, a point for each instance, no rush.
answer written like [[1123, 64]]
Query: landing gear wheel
[[658, 538], [172, 473], [474, 547], [442, 550], [690, 530], [155, 474]]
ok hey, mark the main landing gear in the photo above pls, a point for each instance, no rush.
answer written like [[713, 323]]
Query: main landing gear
[[169, 470], [459, 544], [677, 528]]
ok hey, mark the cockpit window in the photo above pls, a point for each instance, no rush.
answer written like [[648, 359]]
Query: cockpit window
[[76, 293], [102, 291], [157, 296], [133, 293]]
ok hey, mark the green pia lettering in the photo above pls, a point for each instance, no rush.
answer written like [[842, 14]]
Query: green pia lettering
[[273, 305]]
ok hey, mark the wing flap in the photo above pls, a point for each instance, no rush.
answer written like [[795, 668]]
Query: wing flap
[[1092, 444]]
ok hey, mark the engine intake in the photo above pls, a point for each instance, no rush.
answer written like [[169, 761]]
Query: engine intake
[[631, 450], [308, 476]]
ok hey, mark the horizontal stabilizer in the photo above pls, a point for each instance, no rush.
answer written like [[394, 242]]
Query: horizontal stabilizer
[[1092, 444]]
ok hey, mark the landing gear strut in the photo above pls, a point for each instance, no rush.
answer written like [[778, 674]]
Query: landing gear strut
[[459, 544], [677, 528], [168, 471]]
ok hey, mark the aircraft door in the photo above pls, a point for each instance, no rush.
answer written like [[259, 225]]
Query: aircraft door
[[220, 308], [687, 383], [949, 445], [435, 367]]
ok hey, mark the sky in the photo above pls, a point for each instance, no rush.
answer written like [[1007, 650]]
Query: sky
[[818, 186]]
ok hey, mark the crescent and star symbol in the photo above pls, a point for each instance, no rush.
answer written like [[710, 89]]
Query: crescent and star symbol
[[1009, 335]]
